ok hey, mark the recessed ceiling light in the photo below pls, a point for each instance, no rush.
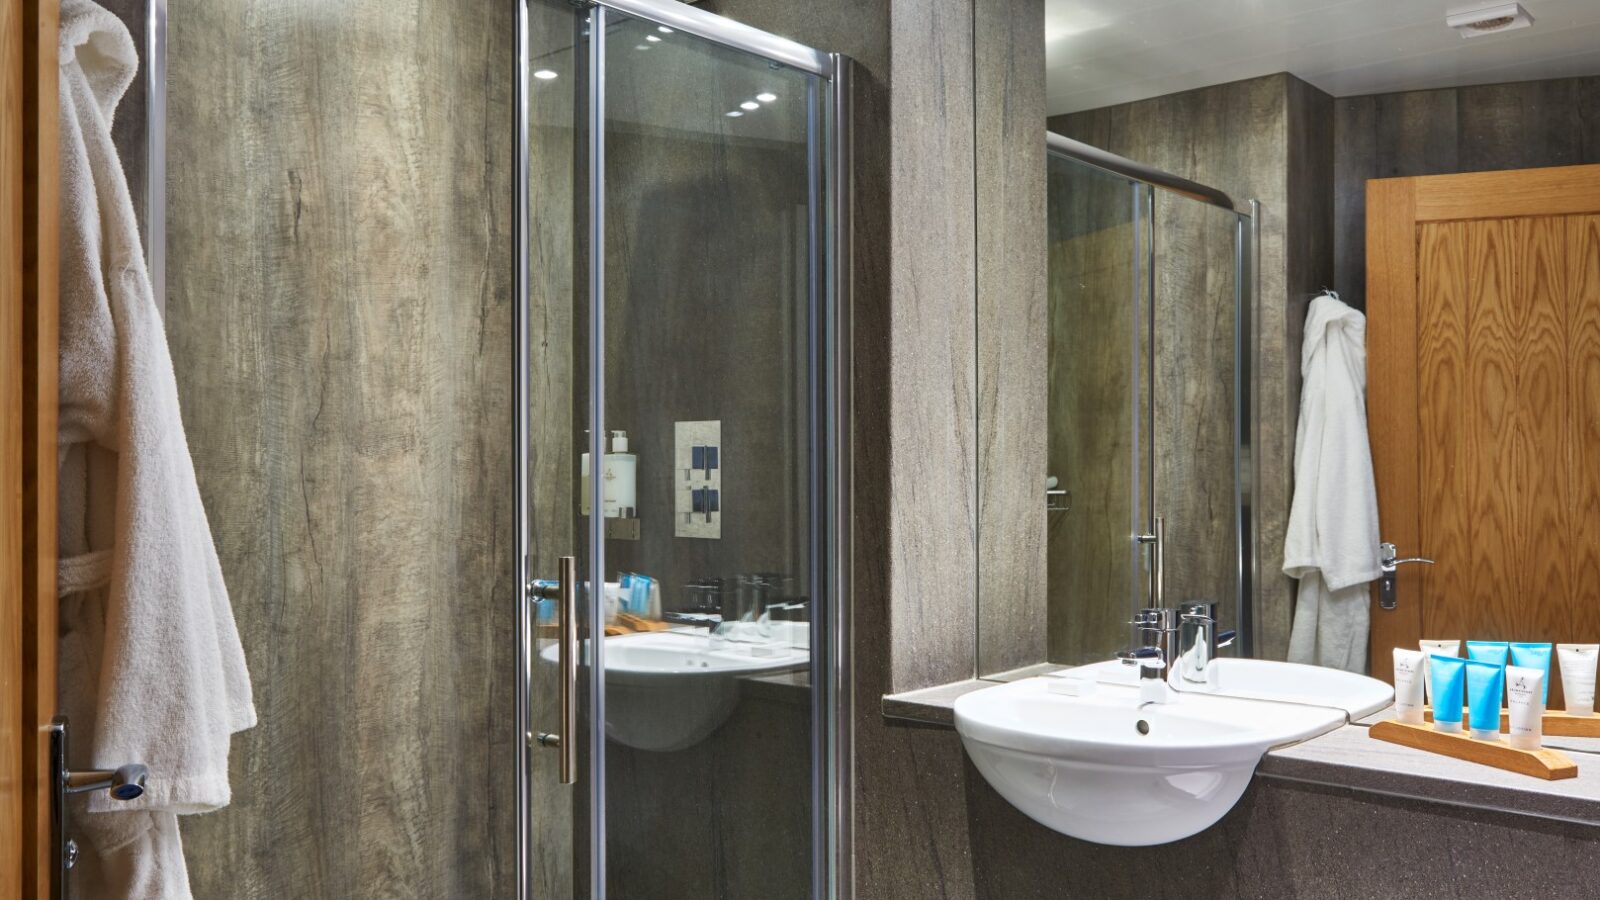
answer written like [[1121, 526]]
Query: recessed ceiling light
[[1491, 18], [733, 114], [545, 74], [663, 29], [749, 104], [766, 97], [652, 38], [641, 46]]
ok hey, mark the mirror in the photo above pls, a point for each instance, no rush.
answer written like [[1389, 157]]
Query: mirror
[[1146, 406]]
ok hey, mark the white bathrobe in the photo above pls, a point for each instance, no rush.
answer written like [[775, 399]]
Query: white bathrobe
[[151, 668], [1332, 540]]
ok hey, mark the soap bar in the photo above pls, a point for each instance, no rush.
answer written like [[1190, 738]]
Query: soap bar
[[1078, 686]]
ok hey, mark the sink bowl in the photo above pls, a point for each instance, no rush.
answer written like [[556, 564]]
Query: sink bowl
[[1265, 679], [1105, 768], [669, 690]]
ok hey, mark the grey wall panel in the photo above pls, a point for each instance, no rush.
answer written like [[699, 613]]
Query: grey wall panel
[[340, 299]]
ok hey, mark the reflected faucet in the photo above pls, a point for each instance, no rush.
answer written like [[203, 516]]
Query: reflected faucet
[[1198, 643]]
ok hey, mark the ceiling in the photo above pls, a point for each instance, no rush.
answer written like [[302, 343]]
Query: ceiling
[[1104, 52]]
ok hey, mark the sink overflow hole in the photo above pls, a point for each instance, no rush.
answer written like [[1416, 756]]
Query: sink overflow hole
[[1143, 726]]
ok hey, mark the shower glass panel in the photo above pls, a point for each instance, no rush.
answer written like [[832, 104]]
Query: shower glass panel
[[680, 386], [709, 195], [1099, 313], [1197, 381]]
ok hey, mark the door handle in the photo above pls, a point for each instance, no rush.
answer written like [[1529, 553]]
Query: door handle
[[1387, 564], [123, 783], [566, 596]]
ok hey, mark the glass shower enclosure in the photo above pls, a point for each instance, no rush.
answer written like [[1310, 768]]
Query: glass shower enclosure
[[1148, 502], [680, 399]]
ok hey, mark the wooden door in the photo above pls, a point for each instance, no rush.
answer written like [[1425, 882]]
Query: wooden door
[[1483, 398], [28, 273]]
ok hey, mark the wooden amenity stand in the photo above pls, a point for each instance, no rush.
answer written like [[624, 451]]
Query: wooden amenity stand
[[1556, 723], [1545, 763]]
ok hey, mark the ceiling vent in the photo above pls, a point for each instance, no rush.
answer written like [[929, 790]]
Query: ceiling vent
[[1476, 21]]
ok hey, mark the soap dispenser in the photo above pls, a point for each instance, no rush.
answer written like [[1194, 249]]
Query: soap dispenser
[[621, 483]]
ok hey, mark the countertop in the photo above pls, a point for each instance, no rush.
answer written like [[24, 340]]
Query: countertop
[[1348, 758]]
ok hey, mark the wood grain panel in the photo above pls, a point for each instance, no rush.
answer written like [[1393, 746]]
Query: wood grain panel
[[13, 733], [29, 201], [1444, 401], [1542, 599], [339, 314], [1583, 389], [1392, 360], [1013, 327], [1553, 191]]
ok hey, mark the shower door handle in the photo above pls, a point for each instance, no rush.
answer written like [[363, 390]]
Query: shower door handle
[[566, 597], [568, 658]]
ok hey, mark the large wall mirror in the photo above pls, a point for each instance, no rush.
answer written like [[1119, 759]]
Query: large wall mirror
[[1144, 495]]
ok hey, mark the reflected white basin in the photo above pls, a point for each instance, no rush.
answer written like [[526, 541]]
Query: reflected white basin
[[668, 690], [1264, 679], [1085, 767]]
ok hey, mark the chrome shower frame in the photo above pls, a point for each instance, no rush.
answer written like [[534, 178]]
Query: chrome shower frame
[[830, 417]]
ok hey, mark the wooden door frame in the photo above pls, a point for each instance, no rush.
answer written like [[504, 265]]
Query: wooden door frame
[[29, 204], [1395, 206]]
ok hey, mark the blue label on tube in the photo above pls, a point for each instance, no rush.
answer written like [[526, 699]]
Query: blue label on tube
[[1449, 688], [1486, 684], [1534, 656]]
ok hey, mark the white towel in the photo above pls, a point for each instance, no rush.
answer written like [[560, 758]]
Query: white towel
[[151, 666], [1332, 540]]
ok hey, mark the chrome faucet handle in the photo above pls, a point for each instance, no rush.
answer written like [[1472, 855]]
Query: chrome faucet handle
[[1225, 639], [1155, 618], [1139, 654]]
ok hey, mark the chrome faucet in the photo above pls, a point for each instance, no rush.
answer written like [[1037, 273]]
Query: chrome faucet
[[1154, 654], [1198, 643]]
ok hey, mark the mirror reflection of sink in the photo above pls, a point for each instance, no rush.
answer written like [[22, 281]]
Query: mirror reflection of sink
[[668, 690], [1263, 679], [1105, 769]]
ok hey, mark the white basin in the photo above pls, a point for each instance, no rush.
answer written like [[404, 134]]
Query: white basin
[[1264, 679], [668, 690], [1085, 767]]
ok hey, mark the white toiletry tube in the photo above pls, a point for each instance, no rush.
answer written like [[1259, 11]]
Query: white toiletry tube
[[1577, 676], [1525, 693], [1408, 668], [1441, 648]]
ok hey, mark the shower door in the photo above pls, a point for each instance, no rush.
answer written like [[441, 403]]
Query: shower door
[[679, 399]]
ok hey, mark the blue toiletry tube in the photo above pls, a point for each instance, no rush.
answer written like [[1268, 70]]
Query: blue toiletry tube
[[1497, 652], [1449, 687], [1486, 684], [1534, 656]]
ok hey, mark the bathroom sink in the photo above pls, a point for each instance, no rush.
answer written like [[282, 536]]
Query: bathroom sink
[[1105, 768], [668, 690], [1264, 679]]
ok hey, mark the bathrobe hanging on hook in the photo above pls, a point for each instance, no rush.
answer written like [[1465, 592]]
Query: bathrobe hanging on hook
[[151, 667], [1332, 540]]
